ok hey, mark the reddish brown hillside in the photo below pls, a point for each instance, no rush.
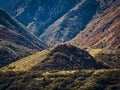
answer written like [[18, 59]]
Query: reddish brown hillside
[[12, 24], [11, 36], [103, 31]]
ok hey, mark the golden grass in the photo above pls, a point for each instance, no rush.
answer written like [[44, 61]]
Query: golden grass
[[108, 57], [26, 63], [95, 52]]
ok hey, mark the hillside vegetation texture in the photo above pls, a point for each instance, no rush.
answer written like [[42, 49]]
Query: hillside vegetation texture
[[61, 80]]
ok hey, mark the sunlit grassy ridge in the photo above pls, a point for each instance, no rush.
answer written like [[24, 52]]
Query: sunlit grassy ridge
[[109, 57], [10, 52], [28, 62], [61, 80]]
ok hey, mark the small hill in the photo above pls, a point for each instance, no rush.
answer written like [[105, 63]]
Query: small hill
[[61, 57], [15, 41], [68, 57], [61, 80]]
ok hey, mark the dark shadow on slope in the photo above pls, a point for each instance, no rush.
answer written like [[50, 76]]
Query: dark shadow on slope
[[68, 57]]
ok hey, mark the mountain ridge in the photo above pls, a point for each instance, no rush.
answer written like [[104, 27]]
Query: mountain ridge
[[19, 28], [15, 41], [40, 19]]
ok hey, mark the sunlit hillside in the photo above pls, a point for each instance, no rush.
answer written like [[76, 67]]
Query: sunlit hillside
[[109, 57], [27, 62], [60, 57]]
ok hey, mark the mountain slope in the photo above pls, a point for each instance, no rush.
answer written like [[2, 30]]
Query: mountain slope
[[78, 18], [71, 23], [14, 25], [37, 14], [57, 21], [61, 57], [103, 31], [10, 52], [15, 41]]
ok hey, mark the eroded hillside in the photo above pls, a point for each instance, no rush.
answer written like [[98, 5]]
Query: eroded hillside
[[15, 41]]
